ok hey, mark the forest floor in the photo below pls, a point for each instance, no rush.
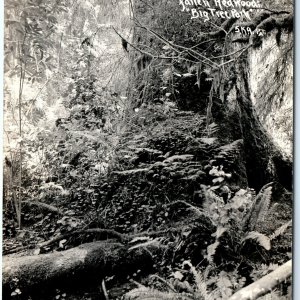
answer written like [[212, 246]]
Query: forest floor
[[170, 186]]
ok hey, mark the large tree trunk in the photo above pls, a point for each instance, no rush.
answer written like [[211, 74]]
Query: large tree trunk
[[85, 264], [257, 144], [264, 162]]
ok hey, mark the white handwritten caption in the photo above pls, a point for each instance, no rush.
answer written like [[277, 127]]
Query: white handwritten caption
[[248, 31], [224, 9]]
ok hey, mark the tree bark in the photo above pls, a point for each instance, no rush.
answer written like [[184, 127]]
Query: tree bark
[[85, 264], [264, 162]]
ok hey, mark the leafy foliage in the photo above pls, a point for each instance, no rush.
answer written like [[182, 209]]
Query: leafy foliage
[[155, 161], [234, 227], [44, 54]]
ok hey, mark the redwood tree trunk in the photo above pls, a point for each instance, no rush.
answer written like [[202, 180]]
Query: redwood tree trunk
[[264, 162]]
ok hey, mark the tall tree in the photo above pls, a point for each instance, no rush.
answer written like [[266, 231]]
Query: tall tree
[[215, 44]]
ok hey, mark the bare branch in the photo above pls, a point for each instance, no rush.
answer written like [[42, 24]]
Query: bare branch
[[265, 284], [175, 47], [153, 55]]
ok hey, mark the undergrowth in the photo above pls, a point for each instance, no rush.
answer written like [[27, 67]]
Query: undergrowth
[[166, 173]]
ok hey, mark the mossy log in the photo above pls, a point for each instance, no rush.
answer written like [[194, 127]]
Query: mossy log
[[86, 264]]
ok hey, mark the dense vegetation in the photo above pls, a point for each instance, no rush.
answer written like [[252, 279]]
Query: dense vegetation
[[134, 125]]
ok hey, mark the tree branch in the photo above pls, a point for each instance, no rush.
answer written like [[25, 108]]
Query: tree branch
[[150, 54], [265, 284], [190, 51]]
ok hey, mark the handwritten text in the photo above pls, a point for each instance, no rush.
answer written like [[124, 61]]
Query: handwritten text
[[224, 9]]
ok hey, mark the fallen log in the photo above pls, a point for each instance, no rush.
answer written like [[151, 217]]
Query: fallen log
[[104, 234], [265, 284], [43, 206], [85, 264]]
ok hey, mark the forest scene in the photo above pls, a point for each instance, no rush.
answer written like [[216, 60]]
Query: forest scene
[[148, 150]]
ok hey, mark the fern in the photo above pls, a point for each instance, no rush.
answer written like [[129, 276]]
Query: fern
[[211, 250], [262, 239], [240, 218], [281, 230], [259, 208], [164, 282], [220, 231], [264, 205], [229, 151], [211, 200], [200, 281]]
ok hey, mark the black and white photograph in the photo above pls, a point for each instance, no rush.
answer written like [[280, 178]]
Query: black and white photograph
[[148, 150]]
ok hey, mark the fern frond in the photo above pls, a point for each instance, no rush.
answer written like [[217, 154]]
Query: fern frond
[[200, 281], [220, 231], [273, 209], [210, 198], [264, 205], [258, 209], [206, 272], [229, 151], [165, 282], [211, 250], [281, 230], [262, 239]]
